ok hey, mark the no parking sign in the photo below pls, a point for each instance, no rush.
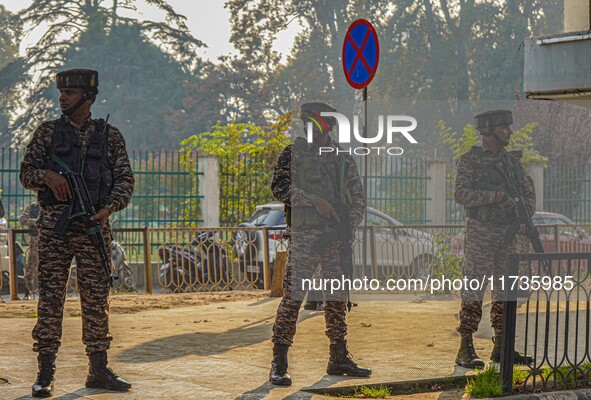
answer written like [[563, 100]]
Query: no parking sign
[[361, 54]]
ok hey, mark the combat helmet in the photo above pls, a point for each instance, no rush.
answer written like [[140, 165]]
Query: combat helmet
[[487, 121], [310, 112]]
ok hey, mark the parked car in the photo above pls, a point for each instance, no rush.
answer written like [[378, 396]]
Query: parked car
[[571, 238], [249, 244], [399, 251], [396, 248]]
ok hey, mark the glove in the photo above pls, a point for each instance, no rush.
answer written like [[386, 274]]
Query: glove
[[506, 203]]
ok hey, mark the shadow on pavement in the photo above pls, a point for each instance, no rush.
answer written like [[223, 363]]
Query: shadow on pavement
[[78, 394], [262, 391], [205, 343], [262, 301]]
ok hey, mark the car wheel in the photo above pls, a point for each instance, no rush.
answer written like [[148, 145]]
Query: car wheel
[[126, 279]]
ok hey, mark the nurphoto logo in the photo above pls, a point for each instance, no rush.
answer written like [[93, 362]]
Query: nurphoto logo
[[344, 135]]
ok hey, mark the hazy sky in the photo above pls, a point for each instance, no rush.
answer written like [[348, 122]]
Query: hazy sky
[[207, 20]]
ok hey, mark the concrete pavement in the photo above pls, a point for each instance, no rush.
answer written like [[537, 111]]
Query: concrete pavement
[[223, 351]]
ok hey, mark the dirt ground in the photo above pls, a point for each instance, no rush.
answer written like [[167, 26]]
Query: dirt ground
[[133, 303]]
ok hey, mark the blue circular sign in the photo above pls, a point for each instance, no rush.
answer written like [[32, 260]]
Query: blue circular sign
[[361, 53]]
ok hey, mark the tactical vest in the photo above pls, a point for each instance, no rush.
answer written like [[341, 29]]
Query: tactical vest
[[66, 145], [491, 178], [324, 177]]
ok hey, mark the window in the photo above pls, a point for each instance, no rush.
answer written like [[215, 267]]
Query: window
[[268, 217]]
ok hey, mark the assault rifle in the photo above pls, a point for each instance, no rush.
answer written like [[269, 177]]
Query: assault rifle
[[341, 233], [82, 206], [523, 215]]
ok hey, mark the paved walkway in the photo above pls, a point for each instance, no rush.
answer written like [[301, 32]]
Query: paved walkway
[[223, 351]]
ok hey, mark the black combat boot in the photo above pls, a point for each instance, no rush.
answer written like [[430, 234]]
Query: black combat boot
[[43, 386], [278, 375], [102, 377], [467, 356], [518, 358], [341, 363]]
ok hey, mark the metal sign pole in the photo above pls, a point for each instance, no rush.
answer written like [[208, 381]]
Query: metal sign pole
[[360, 57], [365, 188]]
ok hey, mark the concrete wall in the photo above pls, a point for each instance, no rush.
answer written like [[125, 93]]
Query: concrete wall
[[209, 188], [536, 172], [436, 187], [576, 15]]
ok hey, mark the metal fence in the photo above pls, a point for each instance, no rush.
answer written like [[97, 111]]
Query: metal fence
[[397, 186], [567, 190], [165, 191], [244, 183], [167, 195], [225, 258], [454, 213], [553, 326]]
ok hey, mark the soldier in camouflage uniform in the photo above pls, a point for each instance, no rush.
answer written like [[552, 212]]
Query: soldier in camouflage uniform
[[307, 183], [29, 219], [98, 151], [481, 188]]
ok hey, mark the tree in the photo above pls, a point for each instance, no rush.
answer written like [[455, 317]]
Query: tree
[[160, 55], [564, 136], [313, 70], [458, 51], [225, 93], [9, 62], [521, 139], [247, 154]]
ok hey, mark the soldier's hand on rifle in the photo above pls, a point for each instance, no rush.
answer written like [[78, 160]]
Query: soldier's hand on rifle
[[58, 185], [324, 208], [506, 203], [102, 215]]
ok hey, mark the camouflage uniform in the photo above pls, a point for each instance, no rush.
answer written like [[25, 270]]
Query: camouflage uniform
[[302, 260], [57, 250], [29, 219], [484, 250]]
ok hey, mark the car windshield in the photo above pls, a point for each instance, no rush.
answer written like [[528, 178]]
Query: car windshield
[[268, 217]]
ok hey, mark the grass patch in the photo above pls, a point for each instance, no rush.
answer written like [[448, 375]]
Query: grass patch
[[486, 384], [566, 375], [76, 314], [364, 392], [162, 307], [33, 315], [519, 375]]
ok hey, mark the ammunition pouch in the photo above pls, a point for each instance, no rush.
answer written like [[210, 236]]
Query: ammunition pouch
[[306, 218]]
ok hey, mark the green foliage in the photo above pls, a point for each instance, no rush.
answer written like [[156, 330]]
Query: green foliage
[[565, 375], [487, 383], [520, 140], [364, 392], [459, 144], [519, 375], [445, 262], [247, 155]]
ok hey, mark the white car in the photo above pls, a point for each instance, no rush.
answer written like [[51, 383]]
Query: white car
[[398, 250], [249, 244]]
